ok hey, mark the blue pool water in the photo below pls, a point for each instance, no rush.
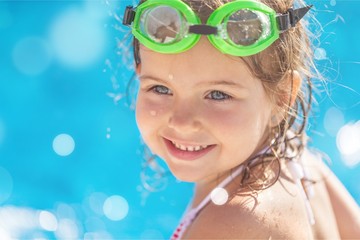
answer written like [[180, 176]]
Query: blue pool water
[[70, 152]]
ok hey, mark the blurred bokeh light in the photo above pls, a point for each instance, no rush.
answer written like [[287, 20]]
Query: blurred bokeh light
[[70, 151]]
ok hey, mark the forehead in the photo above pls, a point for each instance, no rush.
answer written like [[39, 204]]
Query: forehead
[[201, 63]]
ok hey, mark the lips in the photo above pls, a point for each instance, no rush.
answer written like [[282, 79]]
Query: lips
[[189, 153]]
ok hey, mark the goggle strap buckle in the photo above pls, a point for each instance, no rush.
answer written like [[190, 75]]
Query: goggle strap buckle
[[203, 29], [129, 16], [291, 17]]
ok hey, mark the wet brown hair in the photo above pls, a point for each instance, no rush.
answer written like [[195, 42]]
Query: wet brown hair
[[274, 67]]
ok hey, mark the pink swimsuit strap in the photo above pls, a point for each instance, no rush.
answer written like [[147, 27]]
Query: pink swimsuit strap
[[191, 214]]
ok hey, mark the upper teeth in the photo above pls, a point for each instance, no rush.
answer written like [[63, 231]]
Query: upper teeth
[[189, 148]]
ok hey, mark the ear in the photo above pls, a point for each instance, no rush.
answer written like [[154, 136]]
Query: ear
[[138, 68], [288, 90], [296, 85]]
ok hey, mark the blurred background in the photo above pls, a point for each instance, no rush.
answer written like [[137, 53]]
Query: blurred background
[[70, 152]]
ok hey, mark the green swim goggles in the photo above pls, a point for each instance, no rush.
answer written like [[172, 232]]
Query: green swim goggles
[[239, 28]]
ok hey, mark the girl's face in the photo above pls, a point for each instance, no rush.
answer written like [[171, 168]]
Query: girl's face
[[201, 99]]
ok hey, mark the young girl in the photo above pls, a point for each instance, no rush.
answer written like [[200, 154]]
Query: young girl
[[224, 96]]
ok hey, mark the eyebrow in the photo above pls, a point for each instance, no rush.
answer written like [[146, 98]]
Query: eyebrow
[[222, 82], [150, 77], [215, 82]]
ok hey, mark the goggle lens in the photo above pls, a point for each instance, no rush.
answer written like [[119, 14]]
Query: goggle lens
[[246, 27], [162, 24]]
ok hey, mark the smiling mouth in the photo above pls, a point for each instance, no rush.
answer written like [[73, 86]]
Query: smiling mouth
[[189, 148], [187, 152]]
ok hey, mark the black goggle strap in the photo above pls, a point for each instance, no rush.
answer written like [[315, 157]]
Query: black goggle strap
[[291, 17], [129, 15], [285, 21]]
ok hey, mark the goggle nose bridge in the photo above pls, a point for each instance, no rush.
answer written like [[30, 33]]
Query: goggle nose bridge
[[203, 29]]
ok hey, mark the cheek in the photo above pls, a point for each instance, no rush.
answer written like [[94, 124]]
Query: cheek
[[149, 114], [242, 122], [144, 114], [151, 119]]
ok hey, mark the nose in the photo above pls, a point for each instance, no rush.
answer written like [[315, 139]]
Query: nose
[[184, 118]]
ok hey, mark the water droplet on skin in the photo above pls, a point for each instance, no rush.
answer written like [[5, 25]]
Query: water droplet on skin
[[219, 196], [171, 77]]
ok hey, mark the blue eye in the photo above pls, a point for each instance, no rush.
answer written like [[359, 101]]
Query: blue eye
[[219, 96], [162, 90]]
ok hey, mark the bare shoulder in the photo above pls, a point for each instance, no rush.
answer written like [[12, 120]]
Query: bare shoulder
[[279, 212], [274, 213], [345, 210]]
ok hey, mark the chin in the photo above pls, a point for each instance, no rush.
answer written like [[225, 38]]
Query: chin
[[185, 178], [183, 174]]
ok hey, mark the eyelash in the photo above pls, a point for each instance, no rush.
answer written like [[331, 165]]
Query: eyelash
[[226, 97], [155, 89]]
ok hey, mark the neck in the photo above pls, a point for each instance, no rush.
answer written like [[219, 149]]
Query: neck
[[204, 187]]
